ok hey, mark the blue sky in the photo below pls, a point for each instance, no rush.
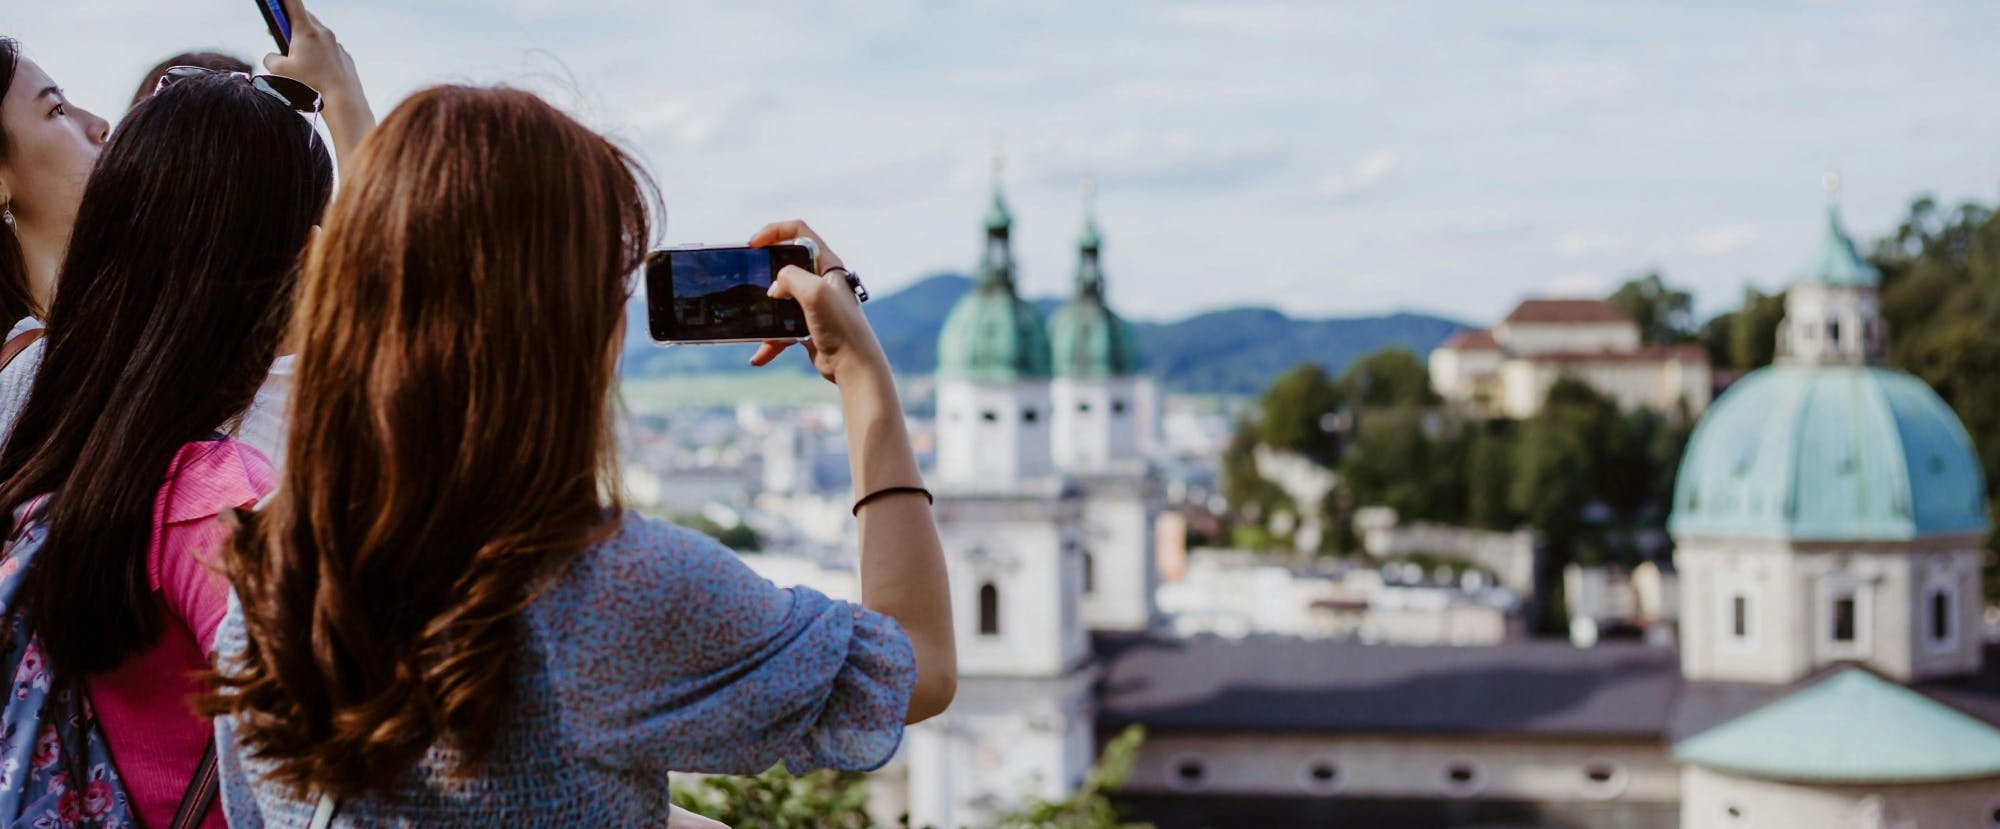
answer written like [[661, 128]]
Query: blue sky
[[1324, 158]]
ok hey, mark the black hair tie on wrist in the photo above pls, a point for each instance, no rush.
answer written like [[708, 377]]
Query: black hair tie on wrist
[[893, 490]]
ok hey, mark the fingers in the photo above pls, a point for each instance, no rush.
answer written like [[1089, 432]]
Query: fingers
[[271, 62], [295, 11], [768, 351], [796, 283], [776, 232]]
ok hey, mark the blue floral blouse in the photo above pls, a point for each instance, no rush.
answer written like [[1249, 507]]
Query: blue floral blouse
[[658, 651]]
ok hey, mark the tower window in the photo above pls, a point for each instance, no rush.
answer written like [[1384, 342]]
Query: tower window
[[1739, 616], [1083, 407], [1833, 332], [1029, 415], [1843, 619], [1942, 611], [1844, 630], [1118, 407], [1089, 573], [989, 610], [990, 416]]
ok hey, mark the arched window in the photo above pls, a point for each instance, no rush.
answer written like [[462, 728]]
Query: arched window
[[989, 610]]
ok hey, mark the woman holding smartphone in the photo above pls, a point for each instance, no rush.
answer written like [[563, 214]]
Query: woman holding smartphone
[[445, 618], [47, 148]]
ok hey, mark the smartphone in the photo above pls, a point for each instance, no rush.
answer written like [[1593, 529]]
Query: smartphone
[[280, 25], [719, 294]]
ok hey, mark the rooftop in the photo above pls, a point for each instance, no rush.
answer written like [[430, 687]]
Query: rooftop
[[1471, 340], [1887, 734], [1566, 311], [1292, 685]]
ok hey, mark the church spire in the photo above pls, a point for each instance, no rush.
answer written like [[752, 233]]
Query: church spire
[[1089, 273], [996, 263]]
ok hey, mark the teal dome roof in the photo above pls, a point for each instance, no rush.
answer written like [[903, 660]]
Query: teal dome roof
[[1088, 340], [1835, 453], [1850, 727], [993, 336], [1836, 261]]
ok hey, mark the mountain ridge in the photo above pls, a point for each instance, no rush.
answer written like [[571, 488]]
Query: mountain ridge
[[1225, 351]]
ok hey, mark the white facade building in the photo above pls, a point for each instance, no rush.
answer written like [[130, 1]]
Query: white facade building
[[1508, 370]]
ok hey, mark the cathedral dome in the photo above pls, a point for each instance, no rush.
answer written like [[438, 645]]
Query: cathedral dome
[[992, 335], [1088, 339], [1829, 453]]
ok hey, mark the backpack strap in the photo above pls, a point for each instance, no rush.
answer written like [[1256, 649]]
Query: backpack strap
[[17, 344], [323, 813], [201, 793]]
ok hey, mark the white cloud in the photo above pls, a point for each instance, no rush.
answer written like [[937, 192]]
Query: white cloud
[[1577, 243], [1363, 176], [1716, 241]]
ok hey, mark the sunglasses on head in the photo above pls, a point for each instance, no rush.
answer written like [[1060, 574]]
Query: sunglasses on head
[[296, 94]]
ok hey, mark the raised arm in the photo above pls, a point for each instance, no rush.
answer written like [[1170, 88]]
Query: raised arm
[[902, 560], [318, 59]]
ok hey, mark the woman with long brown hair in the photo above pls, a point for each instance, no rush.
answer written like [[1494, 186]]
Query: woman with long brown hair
[[444, 616]]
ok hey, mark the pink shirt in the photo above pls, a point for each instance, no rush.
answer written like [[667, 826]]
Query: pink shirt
[[145, 705]]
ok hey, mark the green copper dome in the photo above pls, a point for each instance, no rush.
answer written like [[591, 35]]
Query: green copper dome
[[1087, 339], [992, 335], [1837, 262], [1829, 453], [1850, 727]]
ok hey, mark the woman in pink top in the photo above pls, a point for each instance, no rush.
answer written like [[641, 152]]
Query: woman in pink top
[[175, 291]]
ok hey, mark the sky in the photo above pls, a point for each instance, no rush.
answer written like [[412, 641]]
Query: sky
[[1323, 158]]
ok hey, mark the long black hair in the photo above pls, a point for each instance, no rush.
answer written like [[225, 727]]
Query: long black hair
[[16, 301], [172, 302]]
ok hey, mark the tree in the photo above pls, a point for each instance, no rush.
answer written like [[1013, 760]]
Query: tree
[[1489, 472], [777, 800], [1941, 300], [1753, 330], [1387, 464], [1090, 807], [1300, 409], [1389, 377], [1665, 314]]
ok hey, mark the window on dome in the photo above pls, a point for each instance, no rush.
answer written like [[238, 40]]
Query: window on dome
[[1089, 573], [1833, 333], [1844, 627], [989, 610], [1739, 616]]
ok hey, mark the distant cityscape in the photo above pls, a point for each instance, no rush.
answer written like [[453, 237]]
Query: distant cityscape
[[1791, 633]]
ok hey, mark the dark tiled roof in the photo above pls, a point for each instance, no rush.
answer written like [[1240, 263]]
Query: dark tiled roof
[[1566, 310], [1297, 685]]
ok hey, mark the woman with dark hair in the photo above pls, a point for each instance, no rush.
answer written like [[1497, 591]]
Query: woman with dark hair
[[175, 293], [318, 60], [445, 618], [47, 147]]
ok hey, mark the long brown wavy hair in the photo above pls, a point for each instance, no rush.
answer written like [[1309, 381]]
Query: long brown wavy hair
[[450, 439]]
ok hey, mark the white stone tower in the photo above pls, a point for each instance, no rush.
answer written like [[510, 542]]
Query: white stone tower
[[1013, 533], [1102, 422]]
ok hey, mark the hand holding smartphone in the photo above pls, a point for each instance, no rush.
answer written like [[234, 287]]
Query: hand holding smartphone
[[722, 294]]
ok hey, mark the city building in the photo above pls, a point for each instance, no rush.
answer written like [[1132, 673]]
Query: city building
[[1506, 371]]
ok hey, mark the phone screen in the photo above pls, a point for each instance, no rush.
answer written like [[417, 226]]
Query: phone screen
[[711, 294], [279, 24]]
